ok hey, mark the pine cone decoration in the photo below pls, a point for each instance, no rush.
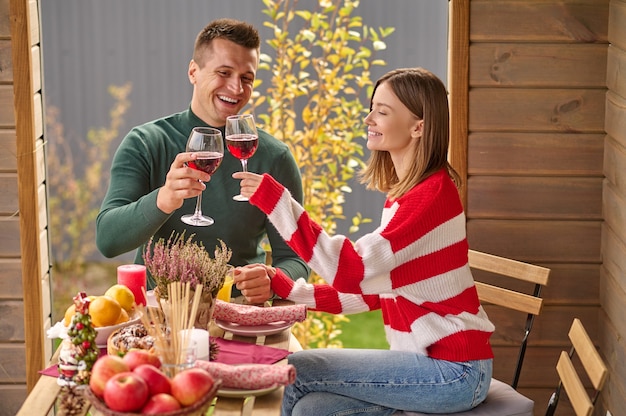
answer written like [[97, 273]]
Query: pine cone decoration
[[70, 402]]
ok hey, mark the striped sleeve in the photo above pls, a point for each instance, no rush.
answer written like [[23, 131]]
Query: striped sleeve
[[322, 297]]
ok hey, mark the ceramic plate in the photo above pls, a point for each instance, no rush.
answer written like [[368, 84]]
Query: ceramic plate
[[253, 330], [226, 392]]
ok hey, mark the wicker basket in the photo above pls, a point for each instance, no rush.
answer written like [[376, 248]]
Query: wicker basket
[[197, 409]]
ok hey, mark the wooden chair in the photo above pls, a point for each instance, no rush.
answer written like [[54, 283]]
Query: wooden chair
[[503, 399], [569, 378]]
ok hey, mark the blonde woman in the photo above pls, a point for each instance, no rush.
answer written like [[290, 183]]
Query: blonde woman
[[414, 267]]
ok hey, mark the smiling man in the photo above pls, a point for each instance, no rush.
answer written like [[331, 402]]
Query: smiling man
[[151, 186]]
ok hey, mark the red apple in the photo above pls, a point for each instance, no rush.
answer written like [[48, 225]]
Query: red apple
[[103, 369], [159, 404], [156, 379], [125, 392], [191, 385], [135, 357]]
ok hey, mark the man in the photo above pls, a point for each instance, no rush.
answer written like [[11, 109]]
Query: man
[[151, 186]]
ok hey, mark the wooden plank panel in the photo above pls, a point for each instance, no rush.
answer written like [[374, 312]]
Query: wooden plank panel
[[11, 279], [538, 370], [5, 24], [534, 197], [33, 15], [615, 165], [46, 298], [12, 323], [8, 151], [617, 28], [563, 287], [44, 260], [40, 162], [12, 397], [10, 241], [566, 281], [36, 74], [556, 110], [613, 249], [48, 343], [613, 299], [538, 65], [616, 67], [38, 115], [12, 360], [43, 213], [539, 21], [8, 194], [529, 154], [614, 212], [615, 122], [6, 66], [537, 241], [550, 327], [613, 350], [7, 117]]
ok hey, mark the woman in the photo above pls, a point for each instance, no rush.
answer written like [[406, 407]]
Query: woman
[[414, 267]]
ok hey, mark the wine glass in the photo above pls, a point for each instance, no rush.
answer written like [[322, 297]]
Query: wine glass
[[208, 144], [242, 140]]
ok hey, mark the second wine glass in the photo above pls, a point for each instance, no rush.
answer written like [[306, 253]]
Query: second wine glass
[[242, 140], [208, 145]]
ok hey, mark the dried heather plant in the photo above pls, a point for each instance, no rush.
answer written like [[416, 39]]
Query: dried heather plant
[[183, 260]]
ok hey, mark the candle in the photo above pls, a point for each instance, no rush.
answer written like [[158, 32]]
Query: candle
[[133, 276]]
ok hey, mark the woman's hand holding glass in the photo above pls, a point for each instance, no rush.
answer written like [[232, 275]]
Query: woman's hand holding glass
[[249, 182], [242, 141]]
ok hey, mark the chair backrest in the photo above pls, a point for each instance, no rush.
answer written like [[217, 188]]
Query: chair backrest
[[570, 379], [496, 294]]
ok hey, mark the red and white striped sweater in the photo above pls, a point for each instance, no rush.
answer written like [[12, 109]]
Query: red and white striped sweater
[[414, 267]]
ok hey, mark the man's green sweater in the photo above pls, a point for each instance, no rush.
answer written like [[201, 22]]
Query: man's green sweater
[[129, 216]]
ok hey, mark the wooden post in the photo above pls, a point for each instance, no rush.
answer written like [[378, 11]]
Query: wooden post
[[26, 133], [458, 81]]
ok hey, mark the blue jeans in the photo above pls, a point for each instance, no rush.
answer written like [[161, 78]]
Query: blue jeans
[[334, 382]]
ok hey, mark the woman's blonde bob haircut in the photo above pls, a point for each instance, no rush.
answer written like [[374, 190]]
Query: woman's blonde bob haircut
[[426, 97]]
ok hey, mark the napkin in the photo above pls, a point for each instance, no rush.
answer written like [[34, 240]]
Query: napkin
[[236, 352], [256, 315], [250, 376], [230, 352]]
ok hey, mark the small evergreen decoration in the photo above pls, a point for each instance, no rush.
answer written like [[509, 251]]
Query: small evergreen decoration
[[83, 338]]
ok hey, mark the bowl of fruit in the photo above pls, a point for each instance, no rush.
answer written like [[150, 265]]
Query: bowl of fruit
[[109, 312], [135, 384]]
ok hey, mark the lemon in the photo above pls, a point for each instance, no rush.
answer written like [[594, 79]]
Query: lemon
[[104, 311], [123, 295], [123, 317]]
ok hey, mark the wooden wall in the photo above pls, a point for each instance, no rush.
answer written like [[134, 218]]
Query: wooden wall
[[536, 110], [24, 266], [613, 282]]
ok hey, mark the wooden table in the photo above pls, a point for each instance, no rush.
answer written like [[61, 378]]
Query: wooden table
[[42, 398]]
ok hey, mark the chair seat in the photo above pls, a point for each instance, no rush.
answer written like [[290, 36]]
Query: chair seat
[[502, 400]]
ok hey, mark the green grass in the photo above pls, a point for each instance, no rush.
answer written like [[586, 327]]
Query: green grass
[[365, 330]]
